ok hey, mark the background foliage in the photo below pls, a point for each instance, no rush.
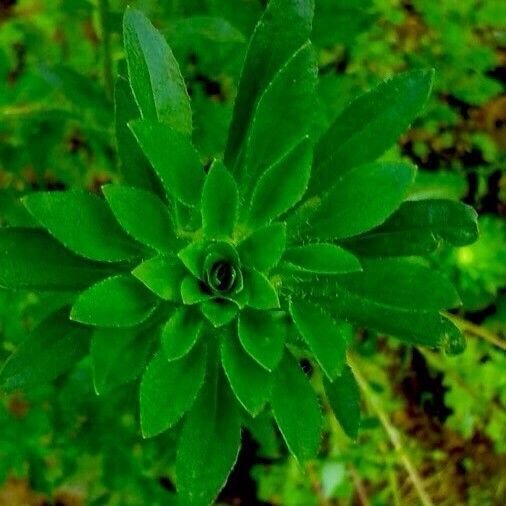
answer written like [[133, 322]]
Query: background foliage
[[434, 432]]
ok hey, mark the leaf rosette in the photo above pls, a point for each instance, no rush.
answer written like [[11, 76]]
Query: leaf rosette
[[210, 285]]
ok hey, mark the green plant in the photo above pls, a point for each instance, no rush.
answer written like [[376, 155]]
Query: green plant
[[220, 277]]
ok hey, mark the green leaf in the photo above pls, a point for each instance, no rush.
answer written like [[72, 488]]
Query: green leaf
[[181, 333], [119, 301], [220, 202], [402, 284], [142, 215], [219, 312], [209, 443], [119, 356], [163, 276], [281, 186], [83, 223], [283, 28], [296, 409], [181, 173], [169, 389], [344, 399], [192, 291], [51, 349], [324, 336], [282, 116], [262, 295], [369, 126], [322, 259], [192, 257], [134, 167], [264, 248], [364, 198], [31, 259], [154, 74], [262, 335], [417, 228], [249, 381]]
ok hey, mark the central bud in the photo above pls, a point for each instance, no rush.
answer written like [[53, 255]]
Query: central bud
[[222, 276]]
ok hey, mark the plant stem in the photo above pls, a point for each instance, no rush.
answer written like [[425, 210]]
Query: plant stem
[[476, 330], [103, 12], [359, 486], [316, 485], [393, 434]]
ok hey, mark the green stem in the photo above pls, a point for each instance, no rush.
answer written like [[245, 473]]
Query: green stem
[[103, 13]]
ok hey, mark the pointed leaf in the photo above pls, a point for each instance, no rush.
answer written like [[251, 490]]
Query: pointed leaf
[[322, 259], [209, 443], [174, 159], [286, 108], [369, 126], [262, 335], [417, 228], [119, 356], [181, 333], [264, 248], [120, 301], [192, 291], [324, 336], [364, 198], [142, 215], [163, 276], [154, 74], [31, 259], [219, 312], [281, 186], [220, 202], [83, 223], [262, 295], [344, 399], [51, 349], [249, 381], [169, 389], [134, 167], [296, 409], [192, 257], [283, 28]]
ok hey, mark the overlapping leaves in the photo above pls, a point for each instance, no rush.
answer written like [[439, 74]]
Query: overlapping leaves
[[208, 283]]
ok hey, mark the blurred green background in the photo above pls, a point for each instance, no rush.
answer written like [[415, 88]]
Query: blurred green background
[[435, 427]]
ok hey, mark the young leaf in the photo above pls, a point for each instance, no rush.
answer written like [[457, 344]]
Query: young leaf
[[264, 248], [219, 313], [323, 335], [209, 443], [417, 228], [119, 356], [181, 333], [249, 381], [169, 389], [143, 215], [296, 409], [120, 301], [263, 335], [134, 167], [31, 259], [322, 258], [83, 223], [220, 202], [51, 349], [282, 117], [344, 399], [262, 295], [281, 186], [283, 28], [192, 291], [368, 127], [181, 173], [364, 198], [163, 276], [154, 74]]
